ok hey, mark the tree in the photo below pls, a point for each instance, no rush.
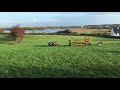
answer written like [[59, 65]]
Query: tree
[[17, 33]]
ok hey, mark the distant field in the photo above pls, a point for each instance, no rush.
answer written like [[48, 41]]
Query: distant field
[[34, 58], [90, 30]]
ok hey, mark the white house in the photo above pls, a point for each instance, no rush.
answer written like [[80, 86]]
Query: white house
[[115, 31], [107, 26]]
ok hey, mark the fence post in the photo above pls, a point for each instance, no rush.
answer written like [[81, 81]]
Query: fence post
[[70, 42]]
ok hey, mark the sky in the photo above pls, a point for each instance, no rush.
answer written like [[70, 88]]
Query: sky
[[8, 19]]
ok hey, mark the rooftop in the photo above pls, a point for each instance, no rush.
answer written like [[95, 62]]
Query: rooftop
[[116, 30]]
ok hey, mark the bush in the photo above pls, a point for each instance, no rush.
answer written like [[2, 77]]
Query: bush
[[17, 33], [1, 31]]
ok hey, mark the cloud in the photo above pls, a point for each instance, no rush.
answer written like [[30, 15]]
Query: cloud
[[44, 20], [35, 20], [74, 14], [58, 18], [52, 20], [112, 14], [61, 14], [103, 14], [7, 21]]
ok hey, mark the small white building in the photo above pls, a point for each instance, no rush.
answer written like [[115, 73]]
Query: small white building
[[107, 26], [115, 31]]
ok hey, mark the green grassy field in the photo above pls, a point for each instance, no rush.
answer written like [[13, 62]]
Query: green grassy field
[[33, 58]]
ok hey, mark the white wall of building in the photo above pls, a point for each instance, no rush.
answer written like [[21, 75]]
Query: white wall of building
[[114, 34]]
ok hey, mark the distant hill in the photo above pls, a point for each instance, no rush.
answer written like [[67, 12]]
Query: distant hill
[[104, 26]]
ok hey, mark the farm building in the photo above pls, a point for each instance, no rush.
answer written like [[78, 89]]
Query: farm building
[[115, 31], [82, 26]]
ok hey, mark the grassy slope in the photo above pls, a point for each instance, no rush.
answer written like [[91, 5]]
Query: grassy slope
[[34, 58], [91, 31]]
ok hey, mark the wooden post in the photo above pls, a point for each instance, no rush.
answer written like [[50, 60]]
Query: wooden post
[[70, 42]]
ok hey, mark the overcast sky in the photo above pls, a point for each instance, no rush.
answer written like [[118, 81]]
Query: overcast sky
[[58, 18]]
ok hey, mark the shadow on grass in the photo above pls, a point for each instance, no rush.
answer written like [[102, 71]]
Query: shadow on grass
[[109, 37], [4, 39], [50, 72], [51, 46], [72, 34], [110, 51]]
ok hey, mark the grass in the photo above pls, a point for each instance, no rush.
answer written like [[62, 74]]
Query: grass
[[91, 31], [33, 58]]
